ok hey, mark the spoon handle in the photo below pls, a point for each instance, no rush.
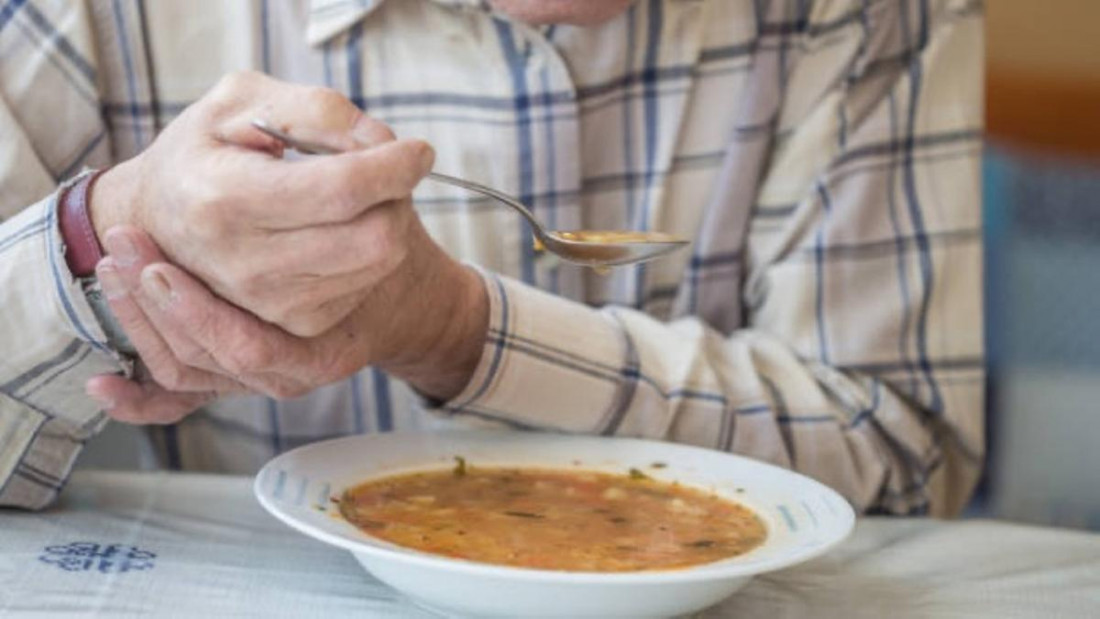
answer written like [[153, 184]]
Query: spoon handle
[[315, 148], [536, 227]]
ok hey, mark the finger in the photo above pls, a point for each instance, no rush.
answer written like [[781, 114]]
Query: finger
[[307, 321], [374, 240], [304, 283], [258, 354], [131, 250], [308, 112], [143, 403], [158, 357], [364, 132], [330, 189], [246, 135]]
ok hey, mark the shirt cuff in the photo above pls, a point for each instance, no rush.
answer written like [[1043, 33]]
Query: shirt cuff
[[72, 293], [53, 341], [548, 363]]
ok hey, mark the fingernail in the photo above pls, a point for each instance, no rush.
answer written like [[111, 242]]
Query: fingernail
[[102, 400], [427, 157], [119, 246], [156, 285], [109, 280]]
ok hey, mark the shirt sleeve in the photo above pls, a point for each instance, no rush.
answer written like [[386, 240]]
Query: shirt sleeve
[[860, 359], [50, 340], [52, 344]]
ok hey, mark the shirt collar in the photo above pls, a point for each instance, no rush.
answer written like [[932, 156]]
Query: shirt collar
[[328, 18]]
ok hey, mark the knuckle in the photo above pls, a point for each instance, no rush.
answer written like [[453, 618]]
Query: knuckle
[[378, 131], [327, 101], [237, 81], [230, 93]]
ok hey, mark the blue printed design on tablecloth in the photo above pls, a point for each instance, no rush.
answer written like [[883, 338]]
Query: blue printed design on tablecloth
[[91, 556]]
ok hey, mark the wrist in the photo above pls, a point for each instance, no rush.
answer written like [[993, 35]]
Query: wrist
[[453, 328], [111, 203], [82, 248]]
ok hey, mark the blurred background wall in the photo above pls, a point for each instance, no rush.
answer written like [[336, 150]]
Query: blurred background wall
[[1043, 74], [1042, 212]]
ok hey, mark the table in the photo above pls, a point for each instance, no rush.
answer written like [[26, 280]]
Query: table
[[181, 545]]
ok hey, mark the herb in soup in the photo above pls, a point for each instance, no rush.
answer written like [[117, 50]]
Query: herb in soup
[[557, 520]]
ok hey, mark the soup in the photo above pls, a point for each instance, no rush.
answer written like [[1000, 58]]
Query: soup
[[615, 236], [553, 519]]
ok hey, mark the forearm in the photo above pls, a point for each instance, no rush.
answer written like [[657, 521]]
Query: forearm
[[448, 307], [846, 424], [553, 364]]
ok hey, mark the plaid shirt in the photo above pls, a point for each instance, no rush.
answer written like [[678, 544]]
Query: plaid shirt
[[823, 156]]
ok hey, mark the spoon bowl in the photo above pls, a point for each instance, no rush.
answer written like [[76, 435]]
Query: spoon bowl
[[606, 248], [594, 248]]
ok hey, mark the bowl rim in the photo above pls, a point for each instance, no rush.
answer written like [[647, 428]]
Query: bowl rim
[[697, 573]]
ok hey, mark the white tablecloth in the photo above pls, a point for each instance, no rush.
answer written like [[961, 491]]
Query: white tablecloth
[[192, 545]]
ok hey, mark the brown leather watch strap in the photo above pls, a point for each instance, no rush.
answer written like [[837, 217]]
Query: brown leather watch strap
[[82, 249]]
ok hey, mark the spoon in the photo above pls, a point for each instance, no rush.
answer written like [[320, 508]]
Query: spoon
[[595, 248]]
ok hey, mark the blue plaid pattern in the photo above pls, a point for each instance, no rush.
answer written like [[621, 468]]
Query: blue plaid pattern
[[823, 157]]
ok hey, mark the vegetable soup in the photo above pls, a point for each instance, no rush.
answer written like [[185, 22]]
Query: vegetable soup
[[553, 519]]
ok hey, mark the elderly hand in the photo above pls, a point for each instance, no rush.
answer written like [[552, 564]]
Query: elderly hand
[[234, 270], [426, 325], [298, 243]]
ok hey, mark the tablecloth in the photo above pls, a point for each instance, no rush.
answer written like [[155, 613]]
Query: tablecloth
[[181, 545]]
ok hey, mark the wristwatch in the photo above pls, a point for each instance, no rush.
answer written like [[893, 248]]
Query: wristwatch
[[83, 252], [82, 248]]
